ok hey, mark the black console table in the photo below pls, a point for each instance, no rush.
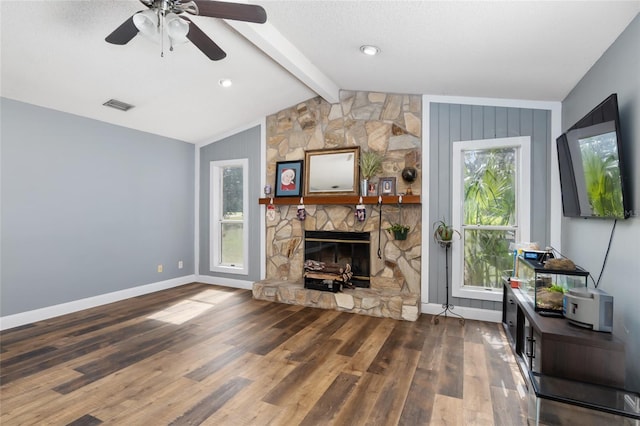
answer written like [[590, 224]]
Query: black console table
[[552, 346], [549, 350]]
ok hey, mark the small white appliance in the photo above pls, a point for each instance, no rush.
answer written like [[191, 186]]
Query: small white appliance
[[589, 307]]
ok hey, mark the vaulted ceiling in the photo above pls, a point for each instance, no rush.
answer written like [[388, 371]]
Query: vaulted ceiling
[[53, 54]]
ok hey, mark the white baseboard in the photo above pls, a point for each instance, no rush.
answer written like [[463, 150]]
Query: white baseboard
[[467, 313], [226, 282], [28, 317]]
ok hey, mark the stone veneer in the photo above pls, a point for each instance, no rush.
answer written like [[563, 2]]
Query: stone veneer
[[387, 123]]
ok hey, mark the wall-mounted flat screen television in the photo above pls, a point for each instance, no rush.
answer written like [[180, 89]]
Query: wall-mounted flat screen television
[[592, 165]]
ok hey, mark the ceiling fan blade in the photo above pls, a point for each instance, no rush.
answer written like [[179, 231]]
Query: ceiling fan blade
[[124, 33], [235, 11], [203, 42]]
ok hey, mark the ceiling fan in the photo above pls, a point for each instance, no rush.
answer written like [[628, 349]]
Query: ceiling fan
[[165, 17]]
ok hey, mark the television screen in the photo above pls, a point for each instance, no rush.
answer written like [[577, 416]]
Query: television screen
[[591, 170]]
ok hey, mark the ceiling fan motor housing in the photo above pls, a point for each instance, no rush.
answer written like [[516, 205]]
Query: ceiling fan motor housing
[[175, 6]]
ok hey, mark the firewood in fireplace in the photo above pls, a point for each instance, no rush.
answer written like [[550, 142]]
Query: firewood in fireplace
[[335, 268], [342, 274], [323, 276]]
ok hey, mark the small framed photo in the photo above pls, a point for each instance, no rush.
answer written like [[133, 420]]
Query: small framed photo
[[288, 178], [387, 186]]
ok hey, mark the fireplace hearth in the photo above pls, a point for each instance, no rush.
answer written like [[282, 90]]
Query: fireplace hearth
[[342, 248]]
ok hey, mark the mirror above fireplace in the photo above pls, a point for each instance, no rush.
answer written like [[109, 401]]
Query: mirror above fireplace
[[332, 171]]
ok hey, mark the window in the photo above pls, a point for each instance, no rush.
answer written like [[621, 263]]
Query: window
[[229, 219], [491, 198]]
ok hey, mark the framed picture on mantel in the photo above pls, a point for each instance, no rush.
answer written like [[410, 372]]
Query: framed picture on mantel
[[288, 178], [387, 186]]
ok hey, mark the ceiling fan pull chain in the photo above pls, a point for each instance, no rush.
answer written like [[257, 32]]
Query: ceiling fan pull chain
[[170, 40], [161, 23]]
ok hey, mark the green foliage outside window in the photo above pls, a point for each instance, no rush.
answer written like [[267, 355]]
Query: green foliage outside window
[[232, 227], [489, 201], [232, 192]]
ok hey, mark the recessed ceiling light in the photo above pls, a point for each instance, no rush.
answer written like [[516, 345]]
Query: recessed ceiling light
[[369, 50], [225, 82]]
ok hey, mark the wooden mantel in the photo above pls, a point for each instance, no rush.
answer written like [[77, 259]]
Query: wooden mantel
[[341, 200]]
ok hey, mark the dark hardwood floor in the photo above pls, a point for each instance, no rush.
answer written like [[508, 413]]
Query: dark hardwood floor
[[201, 354]]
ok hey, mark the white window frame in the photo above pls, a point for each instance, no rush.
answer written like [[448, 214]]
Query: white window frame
[[522, 144], [215, 216]]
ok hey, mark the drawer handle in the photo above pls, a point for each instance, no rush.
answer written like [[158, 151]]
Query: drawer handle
[[531, 352]]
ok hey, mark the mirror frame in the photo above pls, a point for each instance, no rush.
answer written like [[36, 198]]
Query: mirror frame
[[309, 172]]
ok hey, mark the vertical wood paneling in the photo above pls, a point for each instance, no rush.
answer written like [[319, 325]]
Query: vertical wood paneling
[[526, 122], [466, 116], [444, 191], [501, 123], [540, 226], [513, 122], [451, 123], [433, 204], [477, 132], [455, 118], [489, 123]]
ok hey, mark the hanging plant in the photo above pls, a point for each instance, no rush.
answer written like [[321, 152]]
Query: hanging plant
[[443, 232], [399, 231]]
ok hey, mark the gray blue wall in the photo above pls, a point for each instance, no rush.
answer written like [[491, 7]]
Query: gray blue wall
[[452, 123], [585, 241], [89, 208], [245, 144]]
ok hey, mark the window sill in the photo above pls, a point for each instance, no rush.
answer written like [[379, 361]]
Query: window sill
[[491, 295], [229, 270]]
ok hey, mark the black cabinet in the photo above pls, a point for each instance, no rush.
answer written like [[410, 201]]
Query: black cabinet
[[553, 347], [533, 348], [512, 318]]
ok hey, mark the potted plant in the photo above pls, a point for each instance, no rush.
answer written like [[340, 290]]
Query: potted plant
[[370, 165], [399, 231], [443, 232]]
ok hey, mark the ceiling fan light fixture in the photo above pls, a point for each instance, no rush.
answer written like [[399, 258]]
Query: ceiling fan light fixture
[[369, 50], [147, 23], [177, 28], [225, 82]]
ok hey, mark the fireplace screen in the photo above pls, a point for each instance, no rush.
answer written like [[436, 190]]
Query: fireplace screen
[[341, 248]]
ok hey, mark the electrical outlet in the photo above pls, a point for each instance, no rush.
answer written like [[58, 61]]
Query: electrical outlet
[[159, 268], [180, 264]]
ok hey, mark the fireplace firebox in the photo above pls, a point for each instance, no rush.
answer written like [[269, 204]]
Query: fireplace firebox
[[343, 248]]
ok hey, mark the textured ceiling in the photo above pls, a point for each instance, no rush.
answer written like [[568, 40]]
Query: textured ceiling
[[53, 54]]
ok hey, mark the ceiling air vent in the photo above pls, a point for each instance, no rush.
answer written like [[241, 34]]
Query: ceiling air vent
[[122, 106]]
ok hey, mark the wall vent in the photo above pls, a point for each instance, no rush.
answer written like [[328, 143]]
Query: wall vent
[[122, 106]]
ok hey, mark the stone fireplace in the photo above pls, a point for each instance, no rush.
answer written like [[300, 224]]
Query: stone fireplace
[[389, 124]]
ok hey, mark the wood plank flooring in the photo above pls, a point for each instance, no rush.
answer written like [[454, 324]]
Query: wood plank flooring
[[202, 354]]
